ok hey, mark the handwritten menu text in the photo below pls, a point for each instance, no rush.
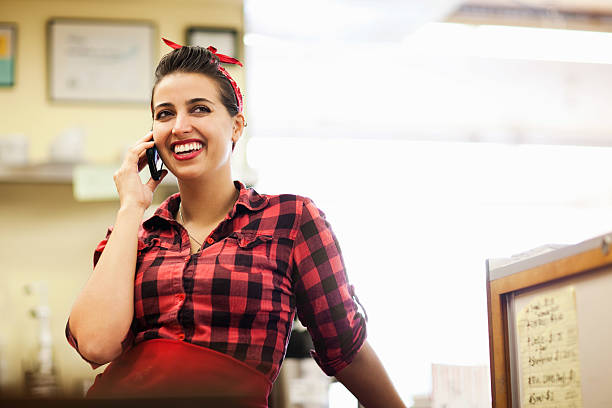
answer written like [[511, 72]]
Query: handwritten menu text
[[548, 351]]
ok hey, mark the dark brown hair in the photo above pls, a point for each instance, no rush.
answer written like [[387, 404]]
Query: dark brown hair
[[199, 60]]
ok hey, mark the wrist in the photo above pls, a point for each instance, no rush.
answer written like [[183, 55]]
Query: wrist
[[132, 208]]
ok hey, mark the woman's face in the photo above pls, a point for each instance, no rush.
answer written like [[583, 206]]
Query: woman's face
[[193, 131]]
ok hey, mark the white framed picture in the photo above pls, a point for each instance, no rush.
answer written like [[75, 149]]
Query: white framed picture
[[100, 60], [223, 39]]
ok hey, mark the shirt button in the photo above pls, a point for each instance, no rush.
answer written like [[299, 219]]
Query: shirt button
[[181, 336], [210, 240]]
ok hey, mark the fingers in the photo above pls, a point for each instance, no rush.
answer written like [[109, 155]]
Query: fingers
[[142, 162], [147, 137], [143, 143], [146, 142], [138, 151], [136, 156]]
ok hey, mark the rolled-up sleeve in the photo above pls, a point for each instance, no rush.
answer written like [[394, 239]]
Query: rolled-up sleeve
[[128, 340], [324, 298]]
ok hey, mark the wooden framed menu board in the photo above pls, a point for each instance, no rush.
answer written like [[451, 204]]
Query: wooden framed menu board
[[550, 327]]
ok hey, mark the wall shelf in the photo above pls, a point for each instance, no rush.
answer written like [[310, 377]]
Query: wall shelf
[[52, 173], [56, 173]]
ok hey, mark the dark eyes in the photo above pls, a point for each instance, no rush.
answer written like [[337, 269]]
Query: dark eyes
[[198, 109]]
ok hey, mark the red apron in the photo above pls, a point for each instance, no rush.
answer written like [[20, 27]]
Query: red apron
[[172, 368]]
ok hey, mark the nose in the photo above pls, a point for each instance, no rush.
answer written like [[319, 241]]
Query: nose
[[182, 124]]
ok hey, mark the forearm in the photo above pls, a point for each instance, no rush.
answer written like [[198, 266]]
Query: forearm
[[102, 313], [368, 381]]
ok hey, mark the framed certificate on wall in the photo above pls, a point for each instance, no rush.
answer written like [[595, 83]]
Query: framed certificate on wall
[[100, 60], [225, 40]]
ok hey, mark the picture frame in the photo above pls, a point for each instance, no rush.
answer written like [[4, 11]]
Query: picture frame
[[8, 41], [100, 60], [225, 40], [585, 267]]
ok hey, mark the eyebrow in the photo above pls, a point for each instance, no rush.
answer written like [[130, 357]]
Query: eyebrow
[[189, 102]]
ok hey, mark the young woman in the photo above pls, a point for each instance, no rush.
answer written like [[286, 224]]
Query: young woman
[[199, 299]]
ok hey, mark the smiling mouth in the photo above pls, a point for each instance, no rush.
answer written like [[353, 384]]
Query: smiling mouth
[[187, 148]]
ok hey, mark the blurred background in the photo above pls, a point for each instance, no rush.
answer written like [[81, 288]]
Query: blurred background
[[433, 135]]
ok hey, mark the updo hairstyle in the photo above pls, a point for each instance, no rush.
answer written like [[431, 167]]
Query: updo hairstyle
[[199, 60]]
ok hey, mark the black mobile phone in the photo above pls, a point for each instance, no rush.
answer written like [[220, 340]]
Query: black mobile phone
[[155, 163]]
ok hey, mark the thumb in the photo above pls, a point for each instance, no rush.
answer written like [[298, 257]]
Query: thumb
[[153, 184]]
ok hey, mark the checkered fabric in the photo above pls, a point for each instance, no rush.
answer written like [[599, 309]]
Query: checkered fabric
[[273, 255]]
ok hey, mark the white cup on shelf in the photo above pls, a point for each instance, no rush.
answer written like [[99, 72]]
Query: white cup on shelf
[[14, 150]]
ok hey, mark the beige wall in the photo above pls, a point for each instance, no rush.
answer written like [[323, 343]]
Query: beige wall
[[46, 235], [50, 240], [26, 108]]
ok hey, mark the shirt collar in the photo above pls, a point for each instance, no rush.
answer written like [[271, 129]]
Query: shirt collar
[[248, 198]]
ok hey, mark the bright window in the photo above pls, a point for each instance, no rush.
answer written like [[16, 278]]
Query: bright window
[[416, 221]]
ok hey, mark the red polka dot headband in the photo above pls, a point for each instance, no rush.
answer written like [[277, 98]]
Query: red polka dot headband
[[222, 58]]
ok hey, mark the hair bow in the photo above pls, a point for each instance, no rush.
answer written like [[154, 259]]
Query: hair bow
[[222, 58]]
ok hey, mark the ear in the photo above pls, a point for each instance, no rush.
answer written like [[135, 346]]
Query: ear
[[238, 125]]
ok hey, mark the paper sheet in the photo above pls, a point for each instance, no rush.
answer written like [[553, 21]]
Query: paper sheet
[[548, 351]]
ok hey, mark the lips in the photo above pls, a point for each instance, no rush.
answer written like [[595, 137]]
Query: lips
[[187, 149]]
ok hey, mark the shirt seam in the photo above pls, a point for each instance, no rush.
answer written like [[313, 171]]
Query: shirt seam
[[294, 239]]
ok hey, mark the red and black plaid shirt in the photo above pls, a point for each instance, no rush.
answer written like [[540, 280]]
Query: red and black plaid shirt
[[271, 256]]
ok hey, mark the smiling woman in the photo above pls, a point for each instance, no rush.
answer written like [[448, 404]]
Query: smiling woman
[[193, 115], [199, 299]]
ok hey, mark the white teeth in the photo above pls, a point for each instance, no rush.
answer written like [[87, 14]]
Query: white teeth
[[187, 147]]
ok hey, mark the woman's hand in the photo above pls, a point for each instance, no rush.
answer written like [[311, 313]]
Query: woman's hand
[[132, 192]]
